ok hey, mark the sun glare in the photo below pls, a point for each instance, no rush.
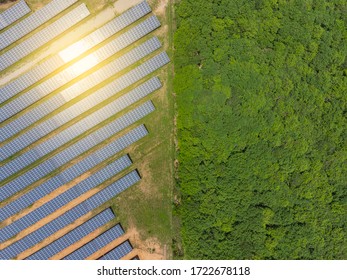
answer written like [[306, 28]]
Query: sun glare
[[73, 51]]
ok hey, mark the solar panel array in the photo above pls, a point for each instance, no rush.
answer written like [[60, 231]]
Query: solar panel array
[[33, 21], [78, 148], [82, 85], [53, 63], [42, 37], [118, 252], [64, 198], [72, 132], [58, 100], [69, 217], [13, 14], [73, 236], [96, 244], [58, 140], [72, 172], [48, 126]]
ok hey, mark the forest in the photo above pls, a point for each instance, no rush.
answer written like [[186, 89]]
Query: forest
[[261, 90]]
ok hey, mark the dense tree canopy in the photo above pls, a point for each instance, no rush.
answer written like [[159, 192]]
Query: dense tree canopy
[[262, 127]]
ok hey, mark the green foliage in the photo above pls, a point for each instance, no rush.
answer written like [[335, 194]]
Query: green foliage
[[261, 90]]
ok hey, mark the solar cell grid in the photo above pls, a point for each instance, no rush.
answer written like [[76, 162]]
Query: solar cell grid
[[13, 14], [70, 216], [33, 21], [43, 36], [73, 236], [83, 145], [96, 244], [118, 252]]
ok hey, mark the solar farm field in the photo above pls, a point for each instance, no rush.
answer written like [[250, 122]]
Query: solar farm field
[[86, 130]]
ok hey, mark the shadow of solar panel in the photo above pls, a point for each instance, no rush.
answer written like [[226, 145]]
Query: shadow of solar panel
[[13, 14], [118, 252], [70, 216], [33, 21], [96, 244], [75, 149], [90, 41], [75, 70], [73, 236]]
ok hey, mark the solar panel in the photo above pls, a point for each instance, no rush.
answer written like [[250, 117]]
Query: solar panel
[[48, 66], [69, 217], [96, 244], [86, 83], [71, 173], [68, 154], [33, 21], [118, 252], [42, 37], [73, 236], [48, 106], [64, 198], [13, 14]]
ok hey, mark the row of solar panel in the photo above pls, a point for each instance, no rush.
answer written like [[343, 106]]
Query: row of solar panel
[[53, 63], [68, 134], [73, 236], [13, 14], [108, 30], [42, 37], [72, 172], [86, 83], [118, 252], [96, 244], [69, 217], [33, 21], [58, 100], [78, 148], [64, 198]]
